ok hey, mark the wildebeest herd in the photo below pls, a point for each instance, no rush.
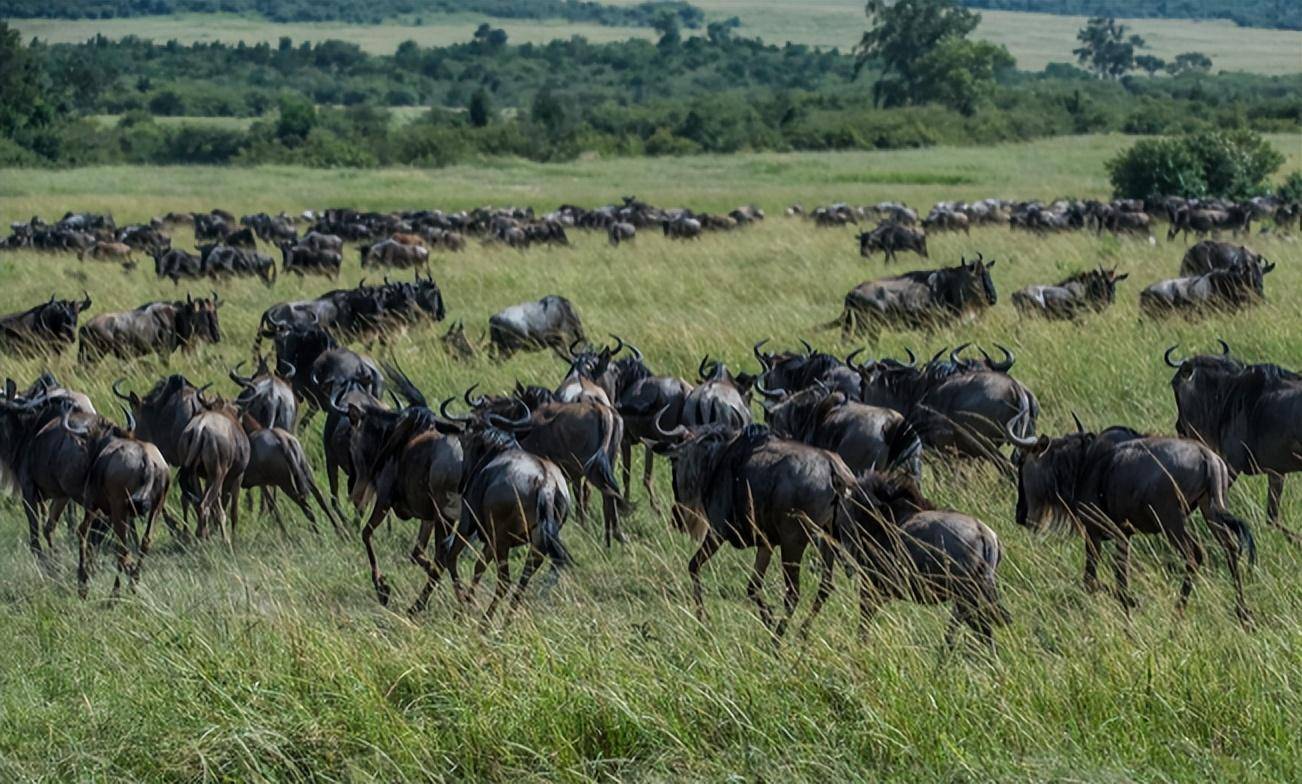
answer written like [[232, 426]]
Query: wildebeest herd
[[836, 464]]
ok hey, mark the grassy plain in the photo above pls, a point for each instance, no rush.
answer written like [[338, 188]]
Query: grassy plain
[[275, 662], [1034, 39]]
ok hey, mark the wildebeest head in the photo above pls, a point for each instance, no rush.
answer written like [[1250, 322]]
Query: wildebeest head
[[428, 297], [1213, 391], [196, 319], [57, 318], [972, 282]]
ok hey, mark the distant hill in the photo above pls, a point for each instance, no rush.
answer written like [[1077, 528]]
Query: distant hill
[[1282, 14]]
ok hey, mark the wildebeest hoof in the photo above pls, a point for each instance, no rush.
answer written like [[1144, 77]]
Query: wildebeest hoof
[[83, 590], [1245, 617], [382, 591]]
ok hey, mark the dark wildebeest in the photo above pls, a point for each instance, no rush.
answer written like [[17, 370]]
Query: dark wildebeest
[[621, 231], [1093, 290], [754, 489], [46, 385], [408, 462], [303, 259], [153, 328], [45, 329], [866, 437], [1208, 255], [1230, 289], [794, 372], [719, 398], [127, 478], [1115, 484], [277, 461], [918, 300], [891, 238], [229, 260], [640, 396], [267, 396], [530, 326], [681, 228], [176, 264], [509, 497], [1200, 221], [905, 548], [320, 364], [961, 408], [589, 378], [214, 456], [1250, 415]]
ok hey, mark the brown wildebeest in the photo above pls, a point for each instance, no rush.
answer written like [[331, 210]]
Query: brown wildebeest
[[267, 396], [47, 328], [277, 462], [918, 300], [756, 490], [214, 456], [456, 342], [1094, 290], [907, 549], [127, 478], [153, 328], [510, 497], [719, 398], [111, 251], [1115, 484], [1250, 415]]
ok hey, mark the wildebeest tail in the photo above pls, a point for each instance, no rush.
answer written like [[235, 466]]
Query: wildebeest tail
[[1218, 481], [988, 588], [553, 507], [599, 468], [903, 446]]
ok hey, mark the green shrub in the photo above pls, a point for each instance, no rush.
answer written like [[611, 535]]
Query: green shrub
[[1231, 164], [1291, 189], [1157, 167]]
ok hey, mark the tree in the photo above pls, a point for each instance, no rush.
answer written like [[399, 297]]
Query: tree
[[297, 118], [1106, 48], [902, 35], [1190, 62], [1233, 165], [490, 38], [1150, 64], [26, 111], [667, 25], [480, 109], [959, 73]]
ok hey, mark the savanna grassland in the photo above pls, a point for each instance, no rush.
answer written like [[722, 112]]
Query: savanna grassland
[[1034, 39], [274, 661]]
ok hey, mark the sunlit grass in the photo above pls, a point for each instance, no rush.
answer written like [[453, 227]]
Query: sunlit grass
[[276, 663]]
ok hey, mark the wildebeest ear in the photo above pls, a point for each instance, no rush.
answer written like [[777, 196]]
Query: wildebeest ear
[[990, 264], [11, 389], [1121, 277]]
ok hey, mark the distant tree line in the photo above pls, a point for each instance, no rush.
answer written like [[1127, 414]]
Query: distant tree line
[[329, 103], [1284, 14], [368, 12]]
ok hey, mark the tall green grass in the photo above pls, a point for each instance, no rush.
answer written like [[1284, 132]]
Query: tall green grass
[[274, 662]]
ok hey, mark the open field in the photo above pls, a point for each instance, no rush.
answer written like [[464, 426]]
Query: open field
[[1034, 39], [274, 662]]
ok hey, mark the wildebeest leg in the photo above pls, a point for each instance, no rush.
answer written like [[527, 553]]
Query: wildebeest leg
[[269, 502], [626, 469], [824, 586], [531, 565], [709, 546], [57, 506], [377, 579], [147, 540], [422, 559], [1188, 547], [648, 467], [867, 602], [792, 553], [83, 547], [1274, 491], [122, 535], [755, 585], [1093, 546], [582, 490], [332, 478], [610, 516], [1121, 571], [336, 521], [503, 582], [1230, 543], [233, 496]]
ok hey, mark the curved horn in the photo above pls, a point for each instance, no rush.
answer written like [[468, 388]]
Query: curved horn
[[953, 355], [503, 423], [1167, 357], [681, 431], [334, 402], [700, 370], [619, 344], [771, 394], [937, 355], [1016, 440], [287, 375], [849, 360], [760, 355], [1007, 362], [913, 360], [443, 412], [1079, 427], [473, 402], [637, 352], [67, 424], [118, 391], [809, 350], [243, 381], [1225, 347], [131, 420]]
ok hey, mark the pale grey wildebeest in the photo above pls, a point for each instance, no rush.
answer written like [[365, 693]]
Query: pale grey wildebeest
[[1090, 291], [1118, 483], [551, 322], [753, 489], [1228, 289], [905, 548], [1250, 415]]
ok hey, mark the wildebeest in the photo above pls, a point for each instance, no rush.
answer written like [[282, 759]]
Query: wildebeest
[[111, 251], [1093, 290], [891, 238], [1200, 221], [918, 300], [231, 260], [754, 489], [1250, 415], [153, 328], [958, 408], [682, 228], [621, 231], [47, 328], [266, 395], [905, 548], [1208, 255], [720, 397], [1229, 289], [214, 456], [303, 259], [321, 366], [1115, 484], [176, 263], [793, 372], [277, 462], [866, 437], [509, 497], [947, 220], [550, 322], [391, 253], [127, 478], [641, 396]]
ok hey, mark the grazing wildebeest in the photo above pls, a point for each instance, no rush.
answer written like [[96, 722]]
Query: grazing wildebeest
[[681, 228], [891, 238], [1208, 255], [719, 398], [214, 456], [905, 548], [1229, 289], [918, 300], [277, 461], [509, 497], [302, 259], [231, 260], [1115, 484], [958, 408], [409, 462], [153, 328], [754, 489], [391, 253], [866, 437], [267, 396], [550, 322], [47, 328], [1093, 290], [621, 231], [947, 220], [127, 479], [1250, 415]]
